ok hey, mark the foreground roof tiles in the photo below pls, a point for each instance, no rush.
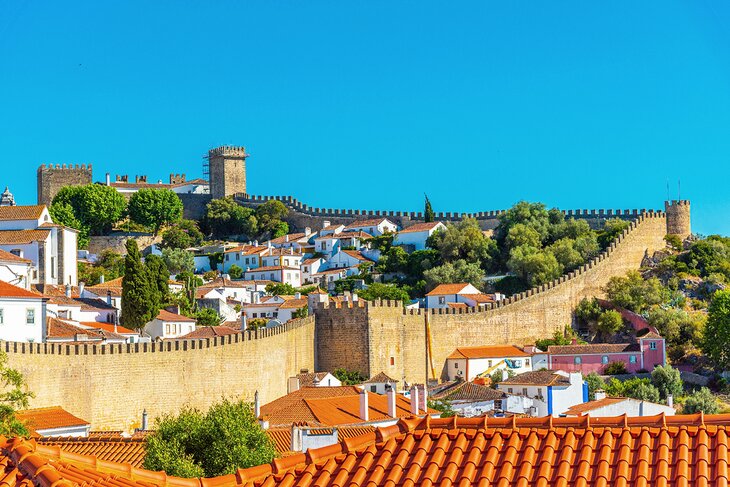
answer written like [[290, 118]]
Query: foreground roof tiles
[[112, 449], [9, 237], [8, 290], [657, 450]]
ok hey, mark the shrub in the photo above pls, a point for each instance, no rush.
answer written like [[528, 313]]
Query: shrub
[[615, 368]]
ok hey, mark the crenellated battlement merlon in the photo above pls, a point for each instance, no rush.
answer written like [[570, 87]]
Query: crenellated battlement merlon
[[228, 151]]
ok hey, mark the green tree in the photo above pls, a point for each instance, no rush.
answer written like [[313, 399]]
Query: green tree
[[716, 343], [13, 396], [301, 313], [159, 279], [182, 235], [566, 254], [109, 264], [533, 215], [636, 388], [377, 290], [465, 241], [96, 206], [635, 293], [571, 228], [521, 234], [701, 401], [207, 317], [428, 214], [612, 228], [667, 380], [533, 265], [256, 323], [349, 377], [454, 272], [269, 216], [219, 442], [443, 406], [224, 217], [139, 293], [235, 272], [595, 383], [394, 260], [155, 207], [63, 214], [588, 310], [178, 260], [280, 289], [609, 323]]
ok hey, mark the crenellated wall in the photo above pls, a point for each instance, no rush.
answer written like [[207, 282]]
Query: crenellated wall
[[110, 385], [302, 215], [397, 341]]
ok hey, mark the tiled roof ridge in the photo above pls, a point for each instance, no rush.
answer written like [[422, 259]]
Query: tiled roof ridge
[[531, 293]]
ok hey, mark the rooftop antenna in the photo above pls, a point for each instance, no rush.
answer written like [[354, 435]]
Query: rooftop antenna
[[679, 189], [669, 193]]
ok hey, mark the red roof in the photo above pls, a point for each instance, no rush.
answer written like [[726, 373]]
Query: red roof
[[165, 315], [49, 418], [659, 450], [210, 332], [420, 227], [7, 290], [491, 351], [32, 212], [8, 257], [446, 289]]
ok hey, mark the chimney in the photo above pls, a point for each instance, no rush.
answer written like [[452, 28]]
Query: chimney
[[354, 297], [307, 231], [297, 295], [256, 405], [315, 380], [82, 284], [670, 400], [286, 237], [600, 394], [296, 438], [574, 341], [255, 243], [68, 290], [325, 224], [414, 400], [364, 409], [101, 279], [390, 395], [108, 179], [244, 323], [505, 374], [422, 397], [144, 420]]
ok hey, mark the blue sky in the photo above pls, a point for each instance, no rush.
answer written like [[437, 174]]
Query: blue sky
[[371, 104]]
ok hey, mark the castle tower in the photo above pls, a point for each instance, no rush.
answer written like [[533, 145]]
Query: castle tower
[[7, 199], [678, 222], [52, 178], [227, 169]]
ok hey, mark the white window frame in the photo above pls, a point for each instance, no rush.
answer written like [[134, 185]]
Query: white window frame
[[30, 316]]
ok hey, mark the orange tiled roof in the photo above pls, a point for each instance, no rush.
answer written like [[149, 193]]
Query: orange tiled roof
[[356, 254], [115, 286], [660, 450], [56, 328], [468, 392], [293, 237], [108, 327], [420, 227], [282, 436], [379, 378], [293, 303], [490, 351], [585, 407], [49, 418], [8, 290], [32, 212], [248, 249], [537, 378], [8, 257], [9, 237], [445, 289], [367, 223], [457, 305], [165, 315], [210, 332], [481, 298], [111, 448]]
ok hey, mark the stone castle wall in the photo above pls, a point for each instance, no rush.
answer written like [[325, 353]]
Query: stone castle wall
[[51, 178], [397, 338], [301, 215], [118, 242], [111, 385]]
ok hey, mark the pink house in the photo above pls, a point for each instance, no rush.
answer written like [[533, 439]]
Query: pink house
[[646, 353]]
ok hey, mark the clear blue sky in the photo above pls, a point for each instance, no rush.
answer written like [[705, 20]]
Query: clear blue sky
[[371, 104]]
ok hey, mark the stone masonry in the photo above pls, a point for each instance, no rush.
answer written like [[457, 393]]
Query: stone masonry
[[52, 178], [227, 165]]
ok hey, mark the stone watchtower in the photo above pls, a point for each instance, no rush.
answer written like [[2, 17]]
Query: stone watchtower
[[52, 178], [227, 171], [678, 222]]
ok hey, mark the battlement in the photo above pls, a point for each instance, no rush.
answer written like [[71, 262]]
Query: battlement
[[177, 178], [674, 203], [228, 151], [64, 167], [300, 207]]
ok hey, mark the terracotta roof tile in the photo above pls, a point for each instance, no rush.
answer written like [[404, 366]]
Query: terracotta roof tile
[[468, 391], [446, 289], [56, 328], [357, 255], [293, 237], [108, 327], [165, 315], [420, 227], [490, 351], [111, 448], [49, 418], [210, 332], [32, 212], [8, 290], [8, 257], [585, 407], [293, 303], [457, 305], [282, 436], [380, 377], [10, 237], [537, 378], [366, 223], [544, 452]]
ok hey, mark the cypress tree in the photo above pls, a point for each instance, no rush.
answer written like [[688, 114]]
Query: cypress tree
[[159, 277], [428, 214], [138, 290]]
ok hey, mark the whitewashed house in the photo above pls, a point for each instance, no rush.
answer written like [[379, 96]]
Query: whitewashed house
[[604, 406], [286, 257], [345, 259], [468, 363], [280, 308], [551, 391], [169, 325], [415, 236], [311, 266], [469, 399], [299, 242], [373, 226], [22, 314], [29, 233], [312, 379], [380, 383], [326, 278], [244, 256], [461, 295], [280, 273], [15, 270]]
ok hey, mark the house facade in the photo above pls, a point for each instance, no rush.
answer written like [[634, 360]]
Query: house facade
[[646, 353], [551, 391], [373, 226], [22, 314], [414, 237], [468, 363], [169, 325]]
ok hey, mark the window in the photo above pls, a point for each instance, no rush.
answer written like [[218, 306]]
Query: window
[[456, 365], [577, 361], [489, 363], [442, 299], [17, 252], [53, 267], [228, 257], [392, 360], [238, 256], [632, 359], [604, 359], [509, 390], [324, 246], [2, 317], [30, 316], [652, 345], [271, 276], [246, 260], [524, 391], [253, 315], [527, 362], [373, 388], [286, 261]]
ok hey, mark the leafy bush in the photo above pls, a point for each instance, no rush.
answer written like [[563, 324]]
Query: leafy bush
[[701, 401], [235, 272], [349, 377], [667, 380], [615, 368]]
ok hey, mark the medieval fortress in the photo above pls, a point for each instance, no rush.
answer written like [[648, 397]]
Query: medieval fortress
[[371, 337]]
